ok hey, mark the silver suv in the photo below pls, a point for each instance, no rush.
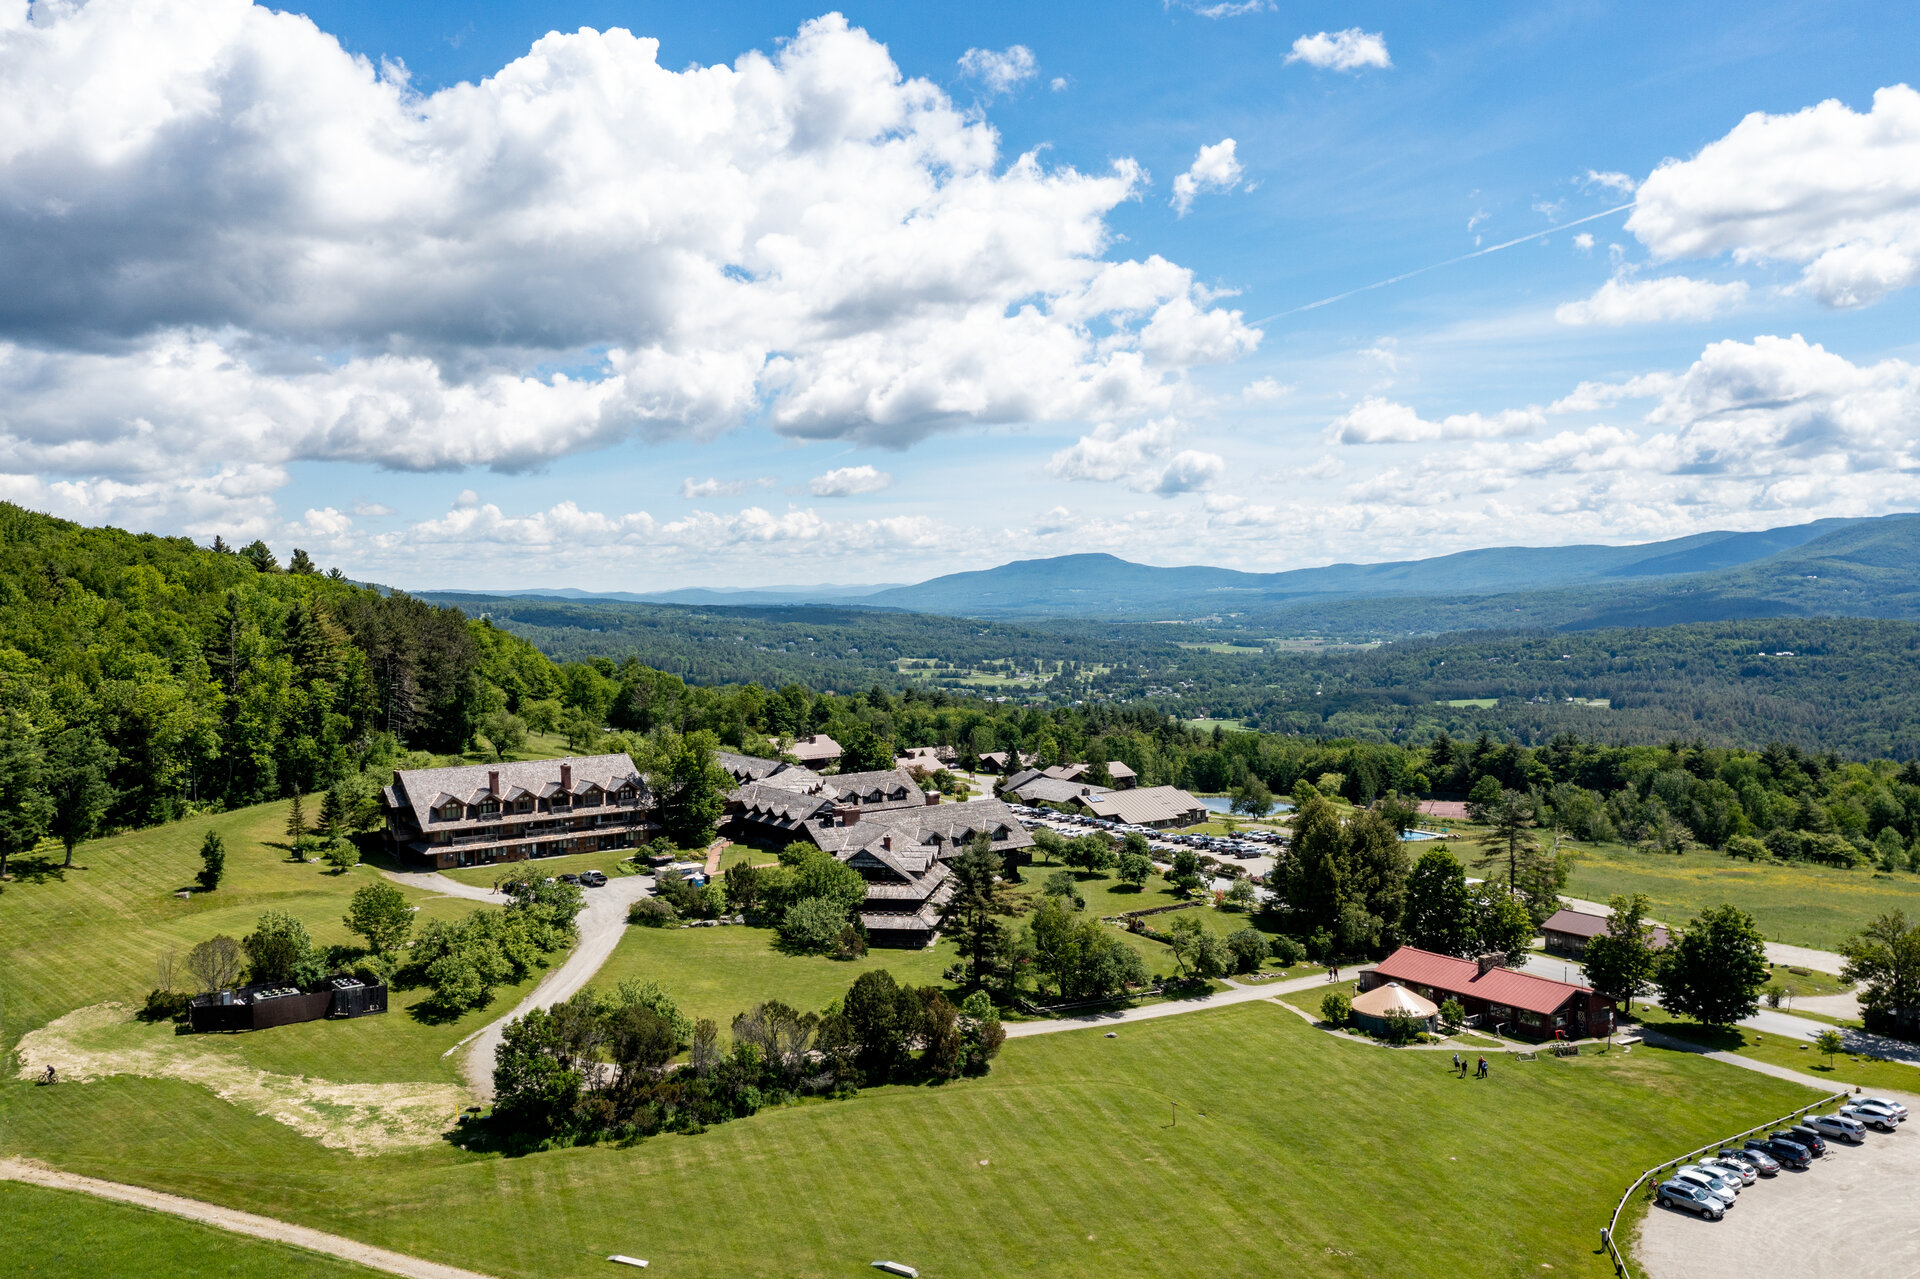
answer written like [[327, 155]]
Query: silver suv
[[1679, 1194]]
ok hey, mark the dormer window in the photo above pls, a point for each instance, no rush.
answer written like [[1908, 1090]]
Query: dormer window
[[592, 797], [626, 794], [524, 806], [448, 812], [489, 808]]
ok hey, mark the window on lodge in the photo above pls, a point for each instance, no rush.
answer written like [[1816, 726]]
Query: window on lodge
[[489, 809], [626, 794], [448, 813], [591, 798]]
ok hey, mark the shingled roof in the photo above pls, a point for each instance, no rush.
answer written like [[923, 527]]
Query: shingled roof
[[1458, 976], [419, 789], [938, 826]]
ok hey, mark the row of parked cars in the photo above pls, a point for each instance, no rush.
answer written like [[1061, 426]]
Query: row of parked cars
[[1713, 1185]]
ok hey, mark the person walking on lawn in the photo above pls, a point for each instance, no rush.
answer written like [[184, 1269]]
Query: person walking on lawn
[[1481, 1073]]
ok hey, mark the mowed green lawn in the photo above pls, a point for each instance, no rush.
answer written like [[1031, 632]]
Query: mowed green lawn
[[1801, 905], [56, 1234], [92, 934], [1295, 1152]]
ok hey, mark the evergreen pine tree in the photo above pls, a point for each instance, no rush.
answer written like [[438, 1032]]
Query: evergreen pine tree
[[297, 828]]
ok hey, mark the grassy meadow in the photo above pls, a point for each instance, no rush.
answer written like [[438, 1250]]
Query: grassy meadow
[[92, 933], [57, 1234], [1063, 1161], [1802, 905]]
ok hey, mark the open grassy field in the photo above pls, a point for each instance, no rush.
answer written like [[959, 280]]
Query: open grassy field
[[1062, 1162], [1802, 905], [55, 1234], [91, 934]]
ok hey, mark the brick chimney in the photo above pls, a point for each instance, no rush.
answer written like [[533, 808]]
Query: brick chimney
[[886, 842], [933, 797], [493, 782], [566, 778], [1488, 962], [848, 814]]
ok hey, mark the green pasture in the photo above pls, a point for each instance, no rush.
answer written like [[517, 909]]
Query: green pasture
[[58, 1234], [92, 933], [1066, 1160], [1796, 903]]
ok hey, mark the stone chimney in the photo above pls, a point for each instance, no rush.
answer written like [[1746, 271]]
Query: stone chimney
[[1488, 962], [493, 782], [566, 778]]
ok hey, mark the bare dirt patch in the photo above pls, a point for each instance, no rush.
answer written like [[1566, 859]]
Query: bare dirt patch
[[364, 1119]]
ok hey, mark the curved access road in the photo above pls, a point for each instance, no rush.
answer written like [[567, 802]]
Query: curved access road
[[35, 1173], [600, 921]]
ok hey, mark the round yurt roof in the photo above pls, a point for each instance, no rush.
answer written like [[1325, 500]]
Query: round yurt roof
[[1392, 998]]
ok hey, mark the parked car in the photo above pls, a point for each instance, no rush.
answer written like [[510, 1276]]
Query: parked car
[[1730, 1168], [1839, 1127], [1719, 1183], [1889, 1103], [1679, 1194], [1788, 1154], [1758, 1160], [1872, 1115], [1812, 1138], [569, 879], [592, 879]]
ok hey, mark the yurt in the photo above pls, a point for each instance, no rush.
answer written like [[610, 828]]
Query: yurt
[[1370, 1010]]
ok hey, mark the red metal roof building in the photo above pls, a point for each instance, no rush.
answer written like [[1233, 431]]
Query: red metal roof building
[[1527, 1006]]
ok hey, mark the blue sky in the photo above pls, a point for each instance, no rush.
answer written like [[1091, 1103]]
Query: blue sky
[[922, 288]]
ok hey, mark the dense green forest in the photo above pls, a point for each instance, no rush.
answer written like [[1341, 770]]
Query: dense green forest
[[145, 677], [1843, 684]]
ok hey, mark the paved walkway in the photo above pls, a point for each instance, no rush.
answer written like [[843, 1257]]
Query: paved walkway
[[242, 1223], [601, 922], [1235, 994]]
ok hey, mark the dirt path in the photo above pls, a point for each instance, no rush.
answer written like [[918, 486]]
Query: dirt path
[[242, 1223]]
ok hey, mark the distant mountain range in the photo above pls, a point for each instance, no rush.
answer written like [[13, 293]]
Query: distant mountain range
[[1841, 568]]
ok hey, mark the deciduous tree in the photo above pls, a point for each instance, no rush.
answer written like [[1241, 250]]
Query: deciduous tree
[[1714, 970], [379, 913]]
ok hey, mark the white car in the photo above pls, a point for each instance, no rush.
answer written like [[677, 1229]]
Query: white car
[[1717, 1183], [1840, 1127], [1730, 1168], [1872, 1114], [1888, 1102]]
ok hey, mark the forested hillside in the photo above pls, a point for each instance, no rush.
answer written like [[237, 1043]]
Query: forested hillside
[[211, 678]]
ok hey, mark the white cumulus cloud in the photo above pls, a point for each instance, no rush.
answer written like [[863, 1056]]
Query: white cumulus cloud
[[1664, 298], [1380, 421], [1348, 50], [1216, 168], [222, 235], [1829, 189], [1000, 70], [1143, 458], [693, 490], [849, 480]]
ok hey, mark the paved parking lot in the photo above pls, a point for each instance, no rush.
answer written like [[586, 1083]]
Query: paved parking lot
[[1850, 1216]]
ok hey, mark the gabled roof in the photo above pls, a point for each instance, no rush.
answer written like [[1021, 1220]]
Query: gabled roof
[[1052, 790], [1118, 770], [1016, 780], [911, 829], [421, 789], [1586, 925], [1144, 806], [817, 746], [1458, 976], [1066, 772], [891, 785]]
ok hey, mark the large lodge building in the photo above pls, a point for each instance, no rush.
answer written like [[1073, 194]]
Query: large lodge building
[[475, 814]]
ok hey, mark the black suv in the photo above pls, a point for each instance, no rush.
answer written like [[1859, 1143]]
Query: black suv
[[1789, 1154], [1810, 1138]]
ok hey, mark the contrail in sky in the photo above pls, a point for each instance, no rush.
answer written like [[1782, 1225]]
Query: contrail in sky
[[1477, 253]]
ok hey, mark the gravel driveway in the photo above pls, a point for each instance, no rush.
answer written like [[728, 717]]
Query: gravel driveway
[[1850, 1216]]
